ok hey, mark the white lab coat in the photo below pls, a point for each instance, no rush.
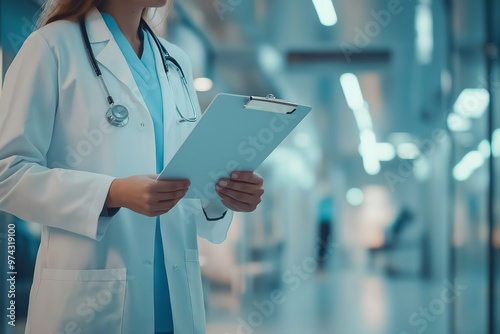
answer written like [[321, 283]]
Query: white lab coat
[[58, 157]]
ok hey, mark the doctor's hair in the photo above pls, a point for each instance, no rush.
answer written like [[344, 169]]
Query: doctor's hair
[[73, 10]]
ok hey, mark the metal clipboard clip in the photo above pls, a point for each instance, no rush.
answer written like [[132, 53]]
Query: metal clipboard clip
[[270, 104]]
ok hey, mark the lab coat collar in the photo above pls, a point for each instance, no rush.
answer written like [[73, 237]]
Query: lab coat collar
[[111, 57], [97, 29]]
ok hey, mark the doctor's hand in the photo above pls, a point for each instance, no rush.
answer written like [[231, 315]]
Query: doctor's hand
[[242, 192], [145, 195]]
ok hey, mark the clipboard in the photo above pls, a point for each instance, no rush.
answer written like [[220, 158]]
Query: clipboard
[[236, 133]]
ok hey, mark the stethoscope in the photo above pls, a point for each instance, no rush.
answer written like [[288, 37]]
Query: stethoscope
[[117, 114]]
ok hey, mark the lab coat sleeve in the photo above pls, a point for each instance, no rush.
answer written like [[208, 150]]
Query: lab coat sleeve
[[214, 211], [214, 230], [67, 199]]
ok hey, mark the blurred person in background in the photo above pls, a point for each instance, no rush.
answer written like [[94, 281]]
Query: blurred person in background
[[325, 235]]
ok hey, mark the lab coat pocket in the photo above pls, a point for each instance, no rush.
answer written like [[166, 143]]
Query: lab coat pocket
[[79, 301], [195, 288]]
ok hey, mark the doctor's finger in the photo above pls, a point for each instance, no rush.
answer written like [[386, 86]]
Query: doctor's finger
[[249, 188], [165, 186], [234, 205], [168, 199], [163, 205], [237, 196], [249, 177], [166, 196]]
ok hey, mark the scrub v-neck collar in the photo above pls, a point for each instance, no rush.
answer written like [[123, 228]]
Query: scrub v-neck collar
[[140, 65]]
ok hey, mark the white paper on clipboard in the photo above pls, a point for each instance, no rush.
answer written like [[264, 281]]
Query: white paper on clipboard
[[236, 133]]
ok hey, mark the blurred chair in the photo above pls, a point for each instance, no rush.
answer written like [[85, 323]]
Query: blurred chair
[[402, 249]]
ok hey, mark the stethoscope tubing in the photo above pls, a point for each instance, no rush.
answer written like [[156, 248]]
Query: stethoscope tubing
[[165, 56]]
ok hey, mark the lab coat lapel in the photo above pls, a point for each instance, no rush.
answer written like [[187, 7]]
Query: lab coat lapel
[[110, 56], [169, 119]]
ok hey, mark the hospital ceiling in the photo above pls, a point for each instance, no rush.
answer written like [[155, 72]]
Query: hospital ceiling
[[279, 46], [306, 59]]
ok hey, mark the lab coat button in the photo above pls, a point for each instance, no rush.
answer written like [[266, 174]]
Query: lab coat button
[[142, 124], [175, 267]]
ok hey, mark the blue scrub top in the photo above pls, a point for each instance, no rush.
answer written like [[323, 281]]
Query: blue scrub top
[[146, 77]]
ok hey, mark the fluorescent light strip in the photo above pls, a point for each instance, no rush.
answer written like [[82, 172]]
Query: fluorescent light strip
[[458, 123], [368, 148], [363, 118], [352, 91], [203, 84], [385, 151], [485, 148], [326, 12], [472, 102], [425, 38], [369, 152], [470, 162], [495, 147], [474, 160], [408, 151]]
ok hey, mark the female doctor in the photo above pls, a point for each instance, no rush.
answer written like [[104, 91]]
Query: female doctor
[[93, 106]]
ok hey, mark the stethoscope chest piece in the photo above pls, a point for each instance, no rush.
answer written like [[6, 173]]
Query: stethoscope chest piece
[[117, 116]]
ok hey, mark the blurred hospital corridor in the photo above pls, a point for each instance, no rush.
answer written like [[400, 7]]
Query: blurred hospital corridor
[[381, 210]]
